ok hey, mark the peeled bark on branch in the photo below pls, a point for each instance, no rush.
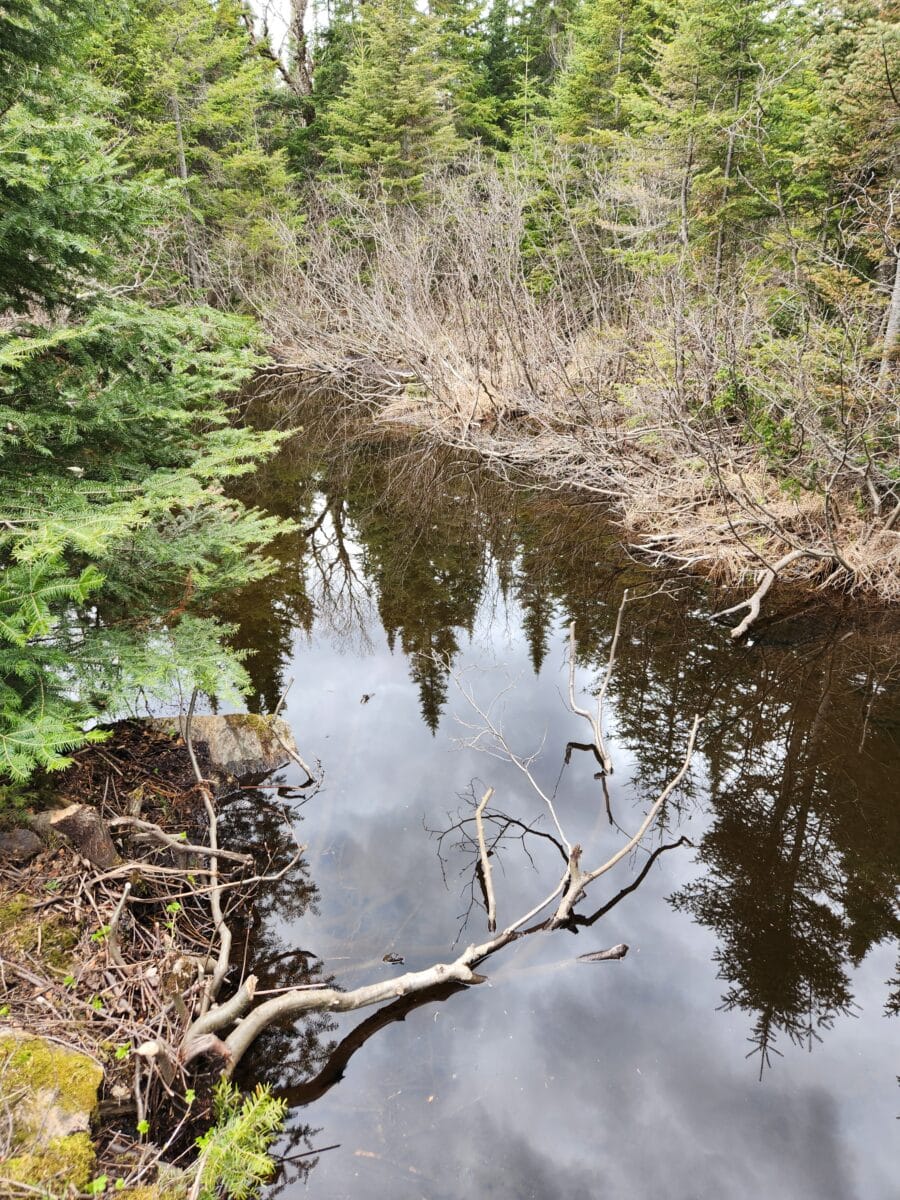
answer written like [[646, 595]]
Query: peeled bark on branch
[[753, 603]]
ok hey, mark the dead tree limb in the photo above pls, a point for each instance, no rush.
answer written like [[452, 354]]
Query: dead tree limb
[[500, 748], [595, 720], [485, 863], [174, 843], [754, 602], [223, 932], [250, 1020], [579, 880]]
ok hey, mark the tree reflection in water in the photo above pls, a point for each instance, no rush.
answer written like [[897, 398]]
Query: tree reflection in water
[[799, 858]]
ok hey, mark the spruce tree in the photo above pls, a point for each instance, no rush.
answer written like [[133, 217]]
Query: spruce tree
[[501, 63], [610, 55], [543, 34], [114, 430], [463, 52], [709, 71], [306, 140], [392, 119], [852, 149], [198, 103]]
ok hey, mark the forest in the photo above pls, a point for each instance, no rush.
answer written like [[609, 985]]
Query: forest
[[645, 253], [645, 249]]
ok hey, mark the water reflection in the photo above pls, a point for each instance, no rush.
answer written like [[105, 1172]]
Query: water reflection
[[416, 563]]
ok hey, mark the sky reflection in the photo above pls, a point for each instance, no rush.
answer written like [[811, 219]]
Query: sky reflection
[[626, 1078]]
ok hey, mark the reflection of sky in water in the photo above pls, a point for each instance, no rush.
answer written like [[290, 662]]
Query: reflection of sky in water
[[555, 1078]]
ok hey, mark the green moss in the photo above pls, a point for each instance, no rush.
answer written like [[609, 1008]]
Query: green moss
[[29, 1065], [262, 725], [48, 937], [171, 1184], [152, 1191], [64, 1163], [12, 909]]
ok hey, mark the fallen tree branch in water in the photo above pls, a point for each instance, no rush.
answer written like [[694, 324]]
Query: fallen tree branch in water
[[613, 952], [595, 720], [251, 1020], [579, 880], [753, 603], [490, 901]]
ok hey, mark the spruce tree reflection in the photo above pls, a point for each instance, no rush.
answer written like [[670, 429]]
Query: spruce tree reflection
[[801, 748], [801, 857]]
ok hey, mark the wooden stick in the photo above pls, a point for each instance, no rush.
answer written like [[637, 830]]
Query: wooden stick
[[485, 863], [166, 839]]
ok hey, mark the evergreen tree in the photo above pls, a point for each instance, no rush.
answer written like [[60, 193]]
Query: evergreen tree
[[113, 427], [611, 53], [391, 119], [463, 50], [63, 207], [719, 52], [198, 104], [543, 34], [501, 63], [306, 140], [853, 151]]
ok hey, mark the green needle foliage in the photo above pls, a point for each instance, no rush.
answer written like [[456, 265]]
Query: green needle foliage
[[389, 122], [234, 1162], [114, 423]]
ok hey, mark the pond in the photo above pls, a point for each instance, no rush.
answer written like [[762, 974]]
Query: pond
[[746, 1045]]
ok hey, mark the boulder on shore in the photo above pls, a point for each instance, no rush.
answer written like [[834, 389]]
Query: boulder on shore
[[240, 746]]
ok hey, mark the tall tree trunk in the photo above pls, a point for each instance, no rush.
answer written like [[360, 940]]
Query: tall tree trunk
[[726, 189], [299, 64], [617, 109], [685, 192], [892, 332], [192, 267]]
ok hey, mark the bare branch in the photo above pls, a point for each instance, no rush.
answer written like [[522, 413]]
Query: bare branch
[[485, 863]]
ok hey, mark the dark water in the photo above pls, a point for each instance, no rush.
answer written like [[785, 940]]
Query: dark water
[[745, 1047]]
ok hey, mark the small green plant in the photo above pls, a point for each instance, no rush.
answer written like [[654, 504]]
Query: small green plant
[[234, 1160]]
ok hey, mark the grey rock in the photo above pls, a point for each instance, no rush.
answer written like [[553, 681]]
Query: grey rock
[[19, 846], [240, 746]]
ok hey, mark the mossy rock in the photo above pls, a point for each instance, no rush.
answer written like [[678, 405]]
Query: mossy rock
[[171, 1183], [65, 1165], [162, 1190], [242, 746], [51, 1092]]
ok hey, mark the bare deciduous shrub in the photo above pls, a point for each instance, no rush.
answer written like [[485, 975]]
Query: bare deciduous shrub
[[732, 428]]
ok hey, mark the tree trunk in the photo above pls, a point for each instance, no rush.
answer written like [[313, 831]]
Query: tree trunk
[[729, 167], [192, 268], [299, 66], [892, 332], [685, 192]]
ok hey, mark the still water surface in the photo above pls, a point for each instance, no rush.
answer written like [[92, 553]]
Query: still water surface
[[746, 1046]]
